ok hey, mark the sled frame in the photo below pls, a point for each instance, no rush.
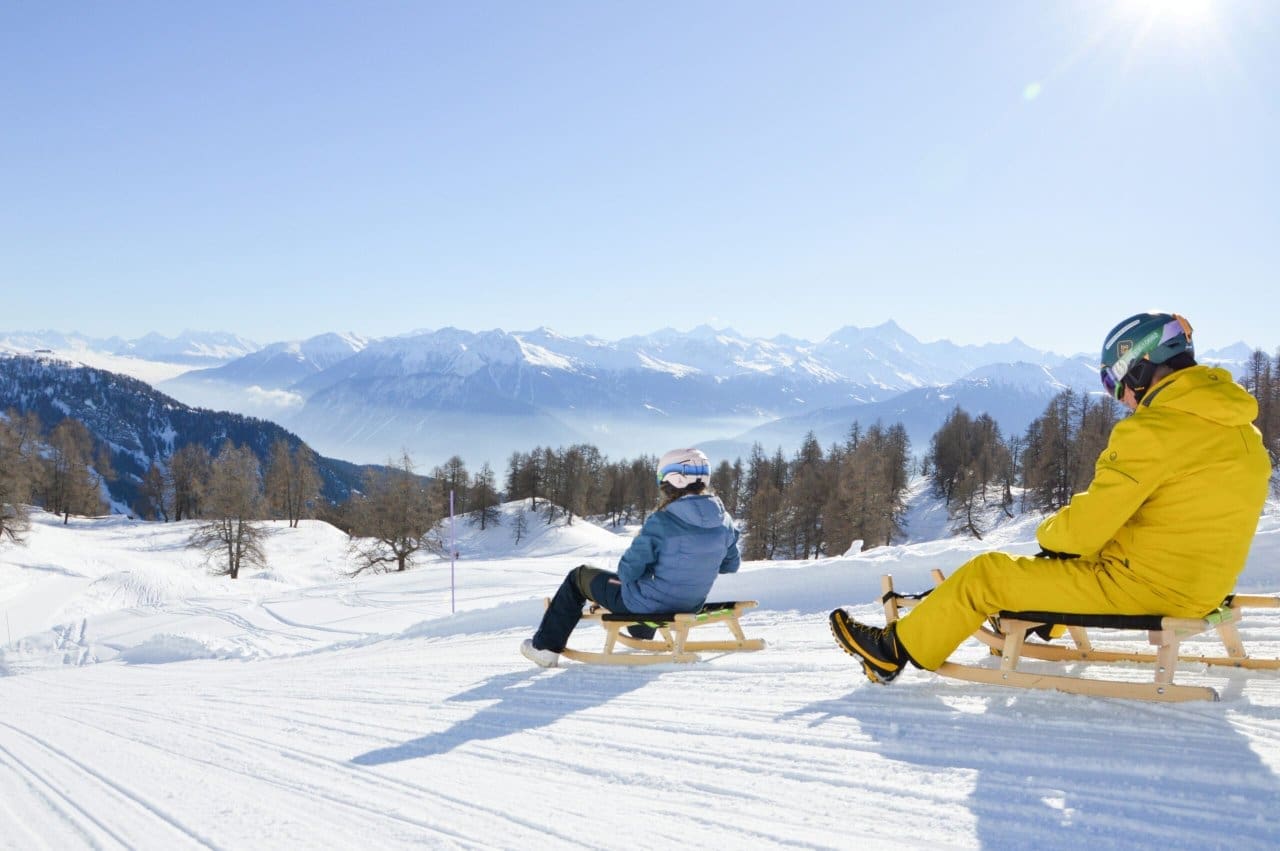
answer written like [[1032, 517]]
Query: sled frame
[[672, 642], [1225, 622], [1164, 633]]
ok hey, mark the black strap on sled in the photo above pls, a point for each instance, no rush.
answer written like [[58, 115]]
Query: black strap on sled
[[897, 595], [1100, 621], [658, 619]]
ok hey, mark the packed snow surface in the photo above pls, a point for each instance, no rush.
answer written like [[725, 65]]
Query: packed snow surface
[[149, 704]]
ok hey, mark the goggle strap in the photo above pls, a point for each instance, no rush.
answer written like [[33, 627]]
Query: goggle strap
[[686, 469]]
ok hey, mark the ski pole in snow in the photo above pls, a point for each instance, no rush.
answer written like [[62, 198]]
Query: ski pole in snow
[[453, 555], [8, 628]]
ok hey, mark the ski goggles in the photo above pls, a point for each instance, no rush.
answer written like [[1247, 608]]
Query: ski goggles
[[686, 469], [1113, 375], [1114, 387]]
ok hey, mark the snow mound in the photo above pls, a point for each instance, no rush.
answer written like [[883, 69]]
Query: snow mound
[[163, 648], [582, 539], [138, 587]]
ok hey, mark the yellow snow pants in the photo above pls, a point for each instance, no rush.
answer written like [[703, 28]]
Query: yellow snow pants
[[995, 582]]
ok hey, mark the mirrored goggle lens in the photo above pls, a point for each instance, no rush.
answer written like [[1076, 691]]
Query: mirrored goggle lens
[[686, 469], [1108, 381]]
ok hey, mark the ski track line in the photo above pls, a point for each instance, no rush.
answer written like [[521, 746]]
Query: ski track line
[[740, 771], [220, 735], [110, 785], [302, 790], [292, 717], [56, 801], [537, 763], [296, 625], [1002, 770], [244, 624]]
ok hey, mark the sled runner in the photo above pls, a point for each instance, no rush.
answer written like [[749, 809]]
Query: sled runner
[[671, 642], [1007, 638]]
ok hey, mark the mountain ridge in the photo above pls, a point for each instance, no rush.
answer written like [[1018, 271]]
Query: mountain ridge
[[484, 394]]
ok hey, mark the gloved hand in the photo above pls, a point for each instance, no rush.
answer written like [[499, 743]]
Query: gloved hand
[[1054, 554]]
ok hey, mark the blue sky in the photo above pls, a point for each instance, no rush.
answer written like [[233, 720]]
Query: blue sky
[[974, 171]]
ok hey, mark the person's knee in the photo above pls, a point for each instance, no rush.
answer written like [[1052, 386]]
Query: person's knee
[[986, 567], [581, 577], [981, 575]]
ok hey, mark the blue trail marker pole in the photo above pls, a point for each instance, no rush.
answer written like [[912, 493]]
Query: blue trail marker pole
[[453, 555]]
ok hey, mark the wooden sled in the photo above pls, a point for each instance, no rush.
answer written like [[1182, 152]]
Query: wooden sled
[[1164, 633], [1224, 620], [671, 643]]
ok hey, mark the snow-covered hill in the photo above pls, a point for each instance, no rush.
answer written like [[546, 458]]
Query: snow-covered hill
[[149, 705], [138, 426]]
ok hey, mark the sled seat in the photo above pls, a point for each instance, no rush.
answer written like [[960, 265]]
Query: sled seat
[[672, 642], [1006, 636]]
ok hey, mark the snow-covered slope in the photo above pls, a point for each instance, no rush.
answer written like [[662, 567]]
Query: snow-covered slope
[[281, 365], [1013, 394], [188, 349], [149, 705]]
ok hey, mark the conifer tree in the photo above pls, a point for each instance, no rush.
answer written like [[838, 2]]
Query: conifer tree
[[484, 498], [806, 496]]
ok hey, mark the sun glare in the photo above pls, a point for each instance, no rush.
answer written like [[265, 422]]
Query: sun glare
[[1186, 16]]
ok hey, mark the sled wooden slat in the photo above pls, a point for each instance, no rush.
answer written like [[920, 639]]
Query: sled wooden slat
[[1225, 622], [1063, 653], [1167, 692], [612, 658], [1006, 638], [727, 646], [671, 642]]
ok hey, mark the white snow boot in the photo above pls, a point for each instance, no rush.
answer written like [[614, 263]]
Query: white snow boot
[[541, 658]]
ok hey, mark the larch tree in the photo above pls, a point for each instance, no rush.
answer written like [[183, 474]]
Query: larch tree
[[393, 521], [229, 532], [188, 478], [152, 502], [70, 485], [292, 481], [16, 454]]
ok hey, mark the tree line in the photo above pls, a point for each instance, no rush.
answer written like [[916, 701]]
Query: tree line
[[816, 502], [1262, 379]]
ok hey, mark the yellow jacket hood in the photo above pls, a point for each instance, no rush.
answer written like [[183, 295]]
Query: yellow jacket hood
[[1176, 493], [1207, 392]]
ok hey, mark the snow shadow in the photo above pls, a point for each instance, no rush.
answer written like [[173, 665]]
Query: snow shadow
[[56, 569], [522, 700], [1134, 775]]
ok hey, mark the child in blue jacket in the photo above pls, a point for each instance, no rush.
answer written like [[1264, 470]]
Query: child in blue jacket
[[669, 567]]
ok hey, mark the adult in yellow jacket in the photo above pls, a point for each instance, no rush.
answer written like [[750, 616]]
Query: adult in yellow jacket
[[1164, 529]]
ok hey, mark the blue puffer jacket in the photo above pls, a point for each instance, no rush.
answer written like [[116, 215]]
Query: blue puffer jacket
[[672, 563]]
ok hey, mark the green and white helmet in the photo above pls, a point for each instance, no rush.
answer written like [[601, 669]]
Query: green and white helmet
[[1132, 348]]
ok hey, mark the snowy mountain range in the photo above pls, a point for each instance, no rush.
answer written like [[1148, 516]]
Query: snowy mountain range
[[192, 348], [483, 395]]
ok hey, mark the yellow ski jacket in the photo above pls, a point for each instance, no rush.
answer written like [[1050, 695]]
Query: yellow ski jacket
[[1176, 494]]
